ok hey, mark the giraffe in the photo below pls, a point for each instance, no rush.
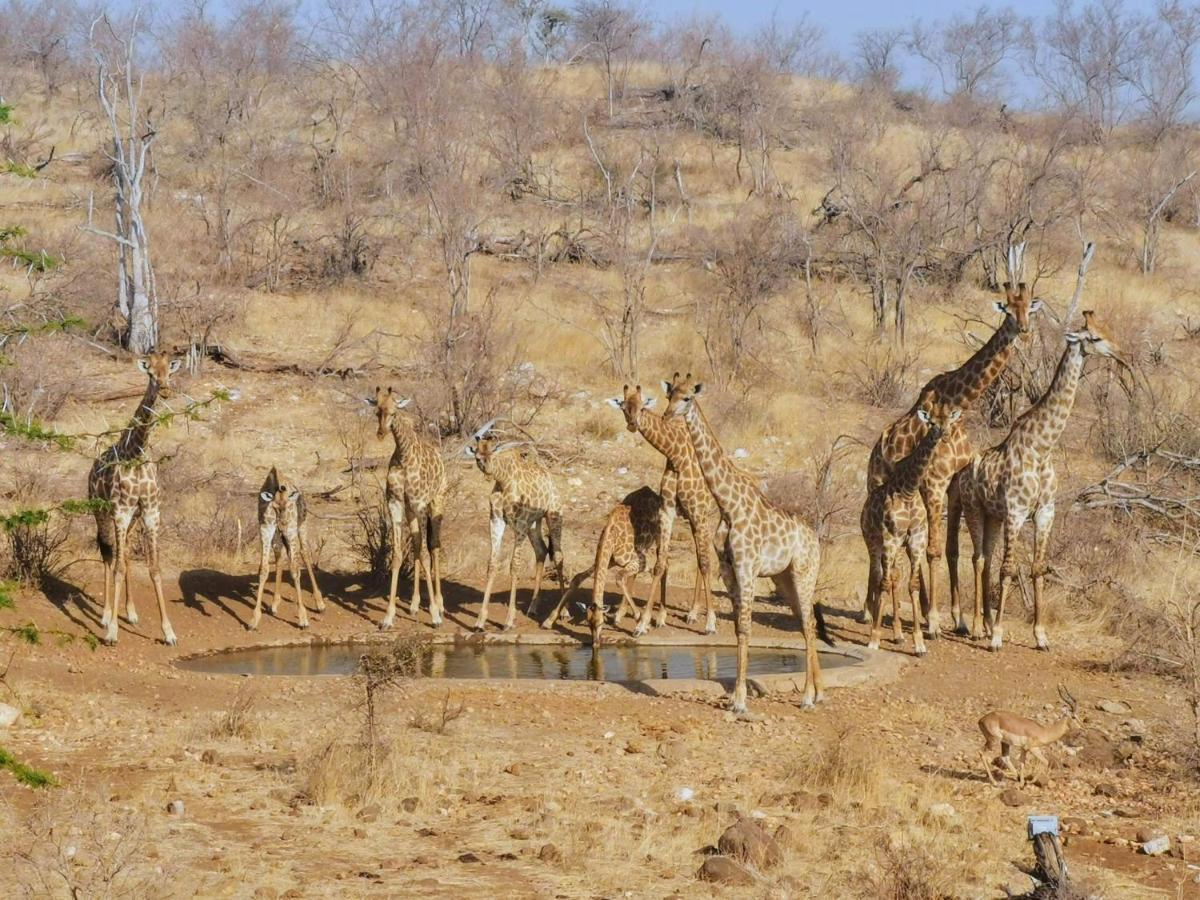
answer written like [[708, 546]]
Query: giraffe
[[282, 515], [763, 540], [416, 496], [1002, 488], [630, 533], [523, 497], [683, 489], [126, 483], [893, 518], [957, 388]]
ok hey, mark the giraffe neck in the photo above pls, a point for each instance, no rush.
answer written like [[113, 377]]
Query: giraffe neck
[[906, 477], [656, 431], [1042, 425], [136, 436], [405, 436], [964, 385], [719, 473]]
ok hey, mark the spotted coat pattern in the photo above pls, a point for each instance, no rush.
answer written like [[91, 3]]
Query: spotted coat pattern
[[282, 517]]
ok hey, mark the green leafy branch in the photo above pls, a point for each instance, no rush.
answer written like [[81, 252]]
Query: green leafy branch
[[26, 775], [32, 430], [31, 518]]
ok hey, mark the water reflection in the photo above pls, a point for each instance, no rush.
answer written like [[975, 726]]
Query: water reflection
[[632, 662]]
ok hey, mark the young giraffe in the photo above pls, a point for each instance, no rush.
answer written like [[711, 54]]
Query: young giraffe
[[630, 533], [523, 497], [763, 540], [684, 489], [127, 482], [893, 518], [282, 515], [416, 497], [1000, 489], [957, 388]]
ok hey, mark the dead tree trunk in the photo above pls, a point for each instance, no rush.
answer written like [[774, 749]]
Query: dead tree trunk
[[119, 86]]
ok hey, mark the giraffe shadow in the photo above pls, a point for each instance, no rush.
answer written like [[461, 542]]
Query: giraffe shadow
[[206, 590], [73, 602]]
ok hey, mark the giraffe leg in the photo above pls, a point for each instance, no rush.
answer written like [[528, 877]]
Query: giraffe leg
[[954, 511], [497, 538], [799, 589], [150, 528], [318, 600], [658, 580], [511, 619], [294, 566], [1043, 521], [916, 577], [540, 553], [1008, 573], [985, 552], [277, 597], [396, 514], [413, 517], [131, 615], [107, 552], [702, 535], [893, 580], [266, 537], [935, 503], [745, 580], [874, 602], [435, 553], [120, 562]]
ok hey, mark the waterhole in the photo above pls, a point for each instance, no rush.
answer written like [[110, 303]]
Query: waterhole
[[572, 662]]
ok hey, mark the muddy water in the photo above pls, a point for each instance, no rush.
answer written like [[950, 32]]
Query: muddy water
[[633, 662]]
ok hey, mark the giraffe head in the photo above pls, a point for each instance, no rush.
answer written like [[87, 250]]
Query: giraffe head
[[277, 495], [680, 394], [938, 417], [1018, 305], [160, 367], [387, 404], [631, 404], [1093, 338]]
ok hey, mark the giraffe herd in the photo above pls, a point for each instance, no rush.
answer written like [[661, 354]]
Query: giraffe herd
[[921, 464]]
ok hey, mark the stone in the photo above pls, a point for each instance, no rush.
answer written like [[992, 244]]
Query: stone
[[786, 838], [266, 892], [409, 804], [175, 807], [1114, 707], [1074, 825], [550, 854], [747, 841], [1014, 797], [369, 814], [1157, 847], [210, 757], [514, 768], [723, 870], [942, 811], [359, 833], [1148, 833], [8, 715], [671, 751], [1107, 789], [468, 857]]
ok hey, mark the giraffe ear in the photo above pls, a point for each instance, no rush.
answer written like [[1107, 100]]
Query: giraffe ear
[[1035, 304], [1073, 338], [370, 401], [175, 366], [267, 496], [1001, 306], [403, 403], [649, 403], [615, 402], [956, 415], [697, 389], [294, 494], [923, 415], [143, 366], [666, 385]]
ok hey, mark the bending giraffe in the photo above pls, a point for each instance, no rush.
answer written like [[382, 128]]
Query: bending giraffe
[[763, 540], [416, 496], [684, 490], [893, 518], [282, 516], [127, 483], [1002, 488], [523, 497], [956, 389]]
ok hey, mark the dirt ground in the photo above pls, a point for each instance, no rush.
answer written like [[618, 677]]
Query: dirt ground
[[565, 789]]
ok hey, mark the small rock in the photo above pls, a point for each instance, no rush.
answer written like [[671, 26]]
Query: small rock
[[1182, 852], [942, 811], [787, 838], [209, 757], [8, 715], [409, 804], [369, 814], [550, 854], [723, 870], [1157, 846], [266, 892], [1149, 833], [623, 470], [741, 453], [1107, 789], [359, 833], [175, 807], [1074, 825], [635, 746], [745, 840], [1135, 726], [1114, 707], [671, 751], [468, 857], [514, 768], [684, 794], [1014, 797]]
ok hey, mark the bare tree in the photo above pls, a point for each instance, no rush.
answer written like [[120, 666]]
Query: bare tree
[[606, 30], [877, 56], [968, 52], [120, 88], [1161, 68]]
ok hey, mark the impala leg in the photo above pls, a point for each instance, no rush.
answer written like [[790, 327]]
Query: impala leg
[[1043, 521]]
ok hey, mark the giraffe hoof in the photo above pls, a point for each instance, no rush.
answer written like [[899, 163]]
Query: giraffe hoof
[[385, 625], [104, 620], [873, 645], [169, 639], [131, 618], [962, 630], [1044, 647], [478, 629], [808, 703], [921, 651], [304, 625], [546, 623], [691, 617]]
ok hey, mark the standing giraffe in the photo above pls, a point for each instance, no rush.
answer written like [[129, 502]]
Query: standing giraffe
[[416, 496], [1001, 489], [523, 497], [282, 515], [126, 482], [684, 489], [763, 540], [630, 533], [893, 518], [958, 388]]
